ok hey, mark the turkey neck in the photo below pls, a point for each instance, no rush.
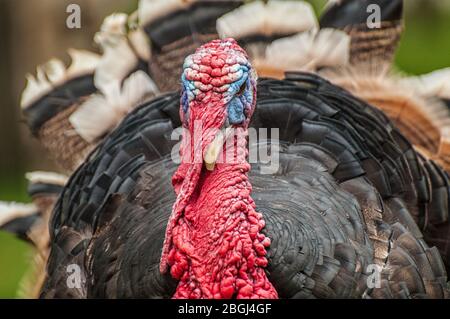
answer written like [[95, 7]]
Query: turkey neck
[[217, 248]]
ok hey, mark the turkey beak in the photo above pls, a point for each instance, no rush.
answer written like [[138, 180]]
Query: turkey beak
[[214, 148]]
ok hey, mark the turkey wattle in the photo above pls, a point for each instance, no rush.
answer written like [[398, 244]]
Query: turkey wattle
[[213, 241], [342, 199]]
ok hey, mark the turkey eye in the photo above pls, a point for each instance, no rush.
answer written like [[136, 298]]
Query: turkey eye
[[242, 89]]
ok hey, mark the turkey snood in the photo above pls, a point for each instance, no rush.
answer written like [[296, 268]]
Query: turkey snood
[[213, 244]]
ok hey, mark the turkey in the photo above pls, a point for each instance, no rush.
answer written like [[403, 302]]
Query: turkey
[[340, 201], [70, 110], [174, 30]]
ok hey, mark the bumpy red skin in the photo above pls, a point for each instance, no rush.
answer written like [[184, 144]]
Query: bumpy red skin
[[214, 245]]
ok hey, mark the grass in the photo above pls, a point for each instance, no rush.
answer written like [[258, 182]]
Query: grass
[[425, 45], [14, 261], [15, 255]]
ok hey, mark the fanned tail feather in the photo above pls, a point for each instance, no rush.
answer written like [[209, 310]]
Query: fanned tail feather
[[44, 189], [18, 218], [373, 43], [71, 110]]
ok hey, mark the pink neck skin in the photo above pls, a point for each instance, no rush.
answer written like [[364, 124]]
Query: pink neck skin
[[214, 245]]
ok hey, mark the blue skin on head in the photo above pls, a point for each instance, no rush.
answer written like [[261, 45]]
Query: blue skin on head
[[239, 102], [239, 96]]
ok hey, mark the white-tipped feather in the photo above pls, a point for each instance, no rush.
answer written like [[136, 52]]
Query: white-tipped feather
[[11, 211], [34, 90], [309, 50], [136, 88], [118, 58], [293, 52], [113, 29], [102, 112], [332, 3], [435, 84], [140, 43], [93, 117], [117, 94], [40, 74], [116, 63], [244, 21], [289, 16], [46, 178], [273, 17], [54, 73], [115, 24], [137, 37], [331, 48], [151, 10], [83, 62]]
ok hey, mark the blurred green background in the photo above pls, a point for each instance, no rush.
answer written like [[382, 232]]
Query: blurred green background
[[34, 31]]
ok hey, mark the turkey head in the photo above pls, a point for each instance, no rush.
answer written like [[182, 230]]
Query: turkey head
[[213, 244]]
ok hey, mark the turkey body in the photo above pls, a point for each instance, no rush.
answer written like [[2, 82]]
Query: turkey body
[[345, 200]]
